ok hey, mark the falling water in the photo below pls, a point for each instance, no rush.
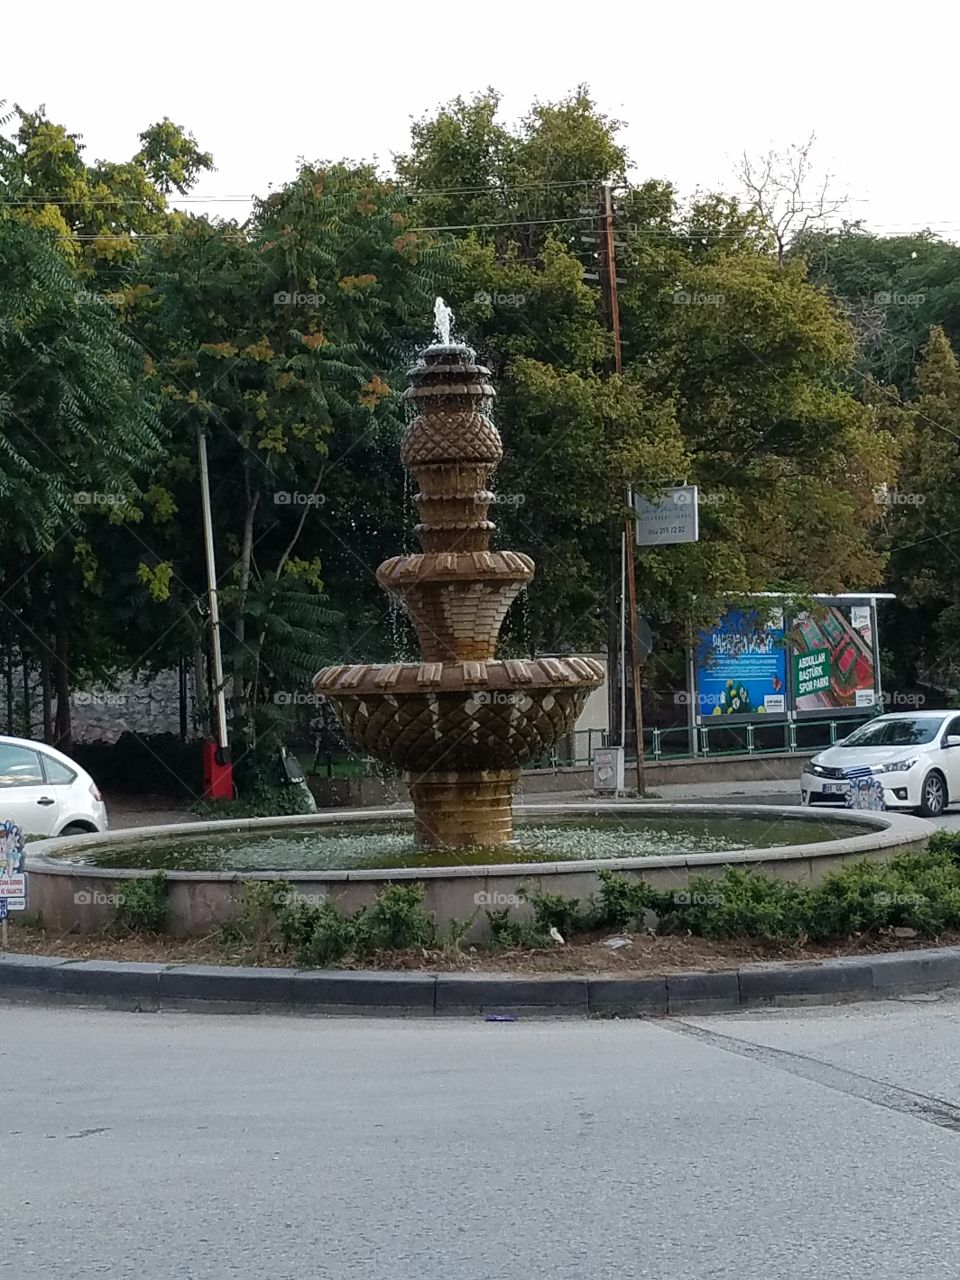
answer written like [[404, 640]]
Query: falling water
[[443, 322]]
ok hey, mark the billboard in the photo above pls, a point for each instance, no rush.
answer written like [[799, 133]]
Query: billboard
[[833, 662], [740, 667]]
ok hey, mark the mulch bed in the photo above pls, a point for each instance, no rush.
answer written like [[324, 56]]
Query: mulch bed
[[647, 955]]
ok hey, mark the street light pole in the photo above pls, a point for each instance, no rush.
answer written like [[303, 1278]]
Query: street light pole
[[218, 773]]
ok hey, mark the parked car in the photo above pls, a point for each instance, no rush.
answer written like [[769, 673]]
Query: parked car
[[45, 792], [914, 755]]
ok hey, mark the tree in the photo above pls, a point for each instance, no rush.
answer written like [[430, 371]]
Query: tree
[[922, 519], [283, 340], [892, 288], [788, 194], [77, 425]]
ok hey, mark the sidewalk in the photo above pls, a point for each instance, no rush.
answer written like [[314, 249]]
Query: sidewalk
[[152, 811], [769, 791]]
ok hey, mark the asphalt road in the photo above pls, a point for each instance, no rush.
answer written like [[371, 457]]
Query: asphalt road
[[818, 1143]]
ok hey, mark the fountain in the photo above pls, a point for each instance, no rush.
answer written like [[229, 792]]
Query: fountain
[[460, 722]]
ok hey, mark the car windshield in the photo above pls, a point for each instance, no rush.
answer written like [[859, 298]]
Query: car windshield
[[908, 732]]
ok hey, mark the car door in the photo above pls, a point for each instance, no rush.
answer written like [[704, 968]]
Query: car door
[[25, 796], [949, 759]]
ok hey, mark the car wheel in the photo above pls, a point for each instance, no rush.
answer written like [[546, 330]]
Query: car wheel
[[933, 795], [77, 829]]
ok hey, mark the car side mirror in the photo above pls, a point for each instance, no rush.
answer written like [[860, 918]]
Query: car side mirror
[[952, 740]]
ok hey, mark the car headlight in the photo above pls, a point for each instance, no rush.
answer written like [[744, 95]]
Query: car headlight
[[816, 769], [898, 766]]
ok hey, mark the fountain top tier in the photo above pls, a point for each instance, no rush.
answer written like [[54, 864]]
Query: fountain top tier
[[457, 590]]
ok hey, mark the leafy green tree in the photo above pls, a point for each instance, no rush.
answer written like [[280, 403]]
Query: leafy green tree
[[77, 425], [284, 340], [922, 526]]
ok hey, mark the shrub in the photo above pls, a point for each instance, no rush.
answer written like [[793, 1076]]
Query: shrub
[[554, 909], [506, 932], [143, 904], [397, 920], [621, 901]]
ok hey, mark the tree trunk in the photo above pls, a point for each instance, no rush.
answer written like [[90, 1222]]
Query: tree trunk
[[201, 711], [47, 695], [9, 677], [63, 729], [27, 704]]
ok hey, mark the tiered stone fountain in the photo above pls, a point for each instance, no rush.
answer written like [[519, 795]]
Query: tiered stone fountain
[[460, 722]]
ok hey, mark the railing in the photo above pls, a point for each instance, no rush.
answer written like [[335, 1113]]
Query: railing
[[714, 740]]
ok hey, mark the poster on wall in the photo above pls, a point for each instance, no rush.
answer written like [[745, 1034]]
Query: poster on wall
[[741, 666], [833, 666]]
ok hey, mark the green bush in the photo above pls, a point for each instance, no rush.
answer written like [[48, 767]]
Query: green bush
[[396, 920], [506, 932], [557, 911], [143, 904], [621, 901], [323, 935]]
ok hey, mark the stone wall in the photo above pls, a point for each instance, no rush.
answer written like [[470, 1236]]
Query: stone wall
[[137, 705]]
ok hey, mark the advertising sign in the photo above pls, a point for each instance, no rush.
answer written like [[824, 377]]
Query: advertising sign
[[13, 883], [741, 667], [811, 671], [833, 664], [671, 519]]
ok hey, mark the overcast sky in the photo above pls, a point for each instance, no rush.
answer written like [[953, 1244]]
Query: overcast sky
[[697, 83]]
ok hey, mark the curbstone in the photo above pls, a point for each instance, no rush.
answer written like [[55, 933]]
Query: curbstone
[[703, 992], [27, 972], [938, 967], [630, 997], [25, 977], [769, 984], [107, 978], [334, 988], [489, 993], [226, 982]]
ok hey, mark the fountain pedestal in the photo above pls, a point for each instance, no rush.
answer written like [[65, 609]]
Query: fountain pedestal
[[463, 808], [460, 722]]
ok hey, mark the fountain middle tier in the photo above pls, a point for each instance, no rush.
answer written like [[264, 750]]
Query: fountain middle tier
[[429, 716], [456, 600]]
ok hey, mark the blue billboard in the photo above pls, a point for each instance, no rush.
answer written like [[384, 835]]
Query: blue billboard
[[741, 666]]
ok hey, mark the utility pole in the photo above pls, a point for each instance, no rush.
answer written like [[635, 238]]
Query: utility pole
[[628, 582]]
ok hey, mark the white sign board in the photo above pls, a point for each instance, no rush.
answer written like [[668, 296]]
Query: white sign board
[[13, 883], [671, 519], [608, 769], [13, 892]]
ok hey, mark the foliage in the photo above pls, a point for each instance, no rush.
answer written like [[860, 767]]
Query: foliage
[[920, 521], [143, 904], [323, 935]]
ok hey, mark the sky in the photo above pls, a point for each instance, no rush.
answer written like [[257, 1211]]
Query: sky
[[696, 84]]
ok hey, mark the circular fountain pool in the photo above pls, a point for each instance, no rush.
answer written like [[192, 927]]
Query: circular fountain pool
[[353, 846], [76, 883]]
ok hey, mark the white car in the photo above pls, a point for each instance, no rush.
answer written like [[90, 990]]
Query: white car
[[914, 755], [45, 792]]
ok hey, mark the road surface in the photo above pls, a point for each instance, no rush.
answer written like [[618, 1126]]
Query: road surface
[[781, 1145]]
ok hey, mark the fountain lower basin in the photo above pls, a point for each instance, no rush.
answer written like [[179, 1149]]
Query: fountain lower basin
[[70, 892]]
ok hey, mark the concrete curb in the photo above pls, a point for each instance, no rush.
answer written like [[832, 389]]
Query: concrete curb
[[229, 988]]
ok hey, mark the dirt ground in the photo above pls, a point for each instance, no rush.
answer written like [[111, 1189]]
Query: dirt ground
[[644, 956]]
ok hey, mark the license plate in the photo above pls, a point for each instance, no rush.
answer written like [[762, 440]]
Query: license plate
[[835, 788]]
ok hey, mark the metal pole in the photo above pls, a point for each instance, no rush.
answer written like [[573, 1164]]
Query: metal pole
[[623, 641], [628, 536], [218, 684]]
